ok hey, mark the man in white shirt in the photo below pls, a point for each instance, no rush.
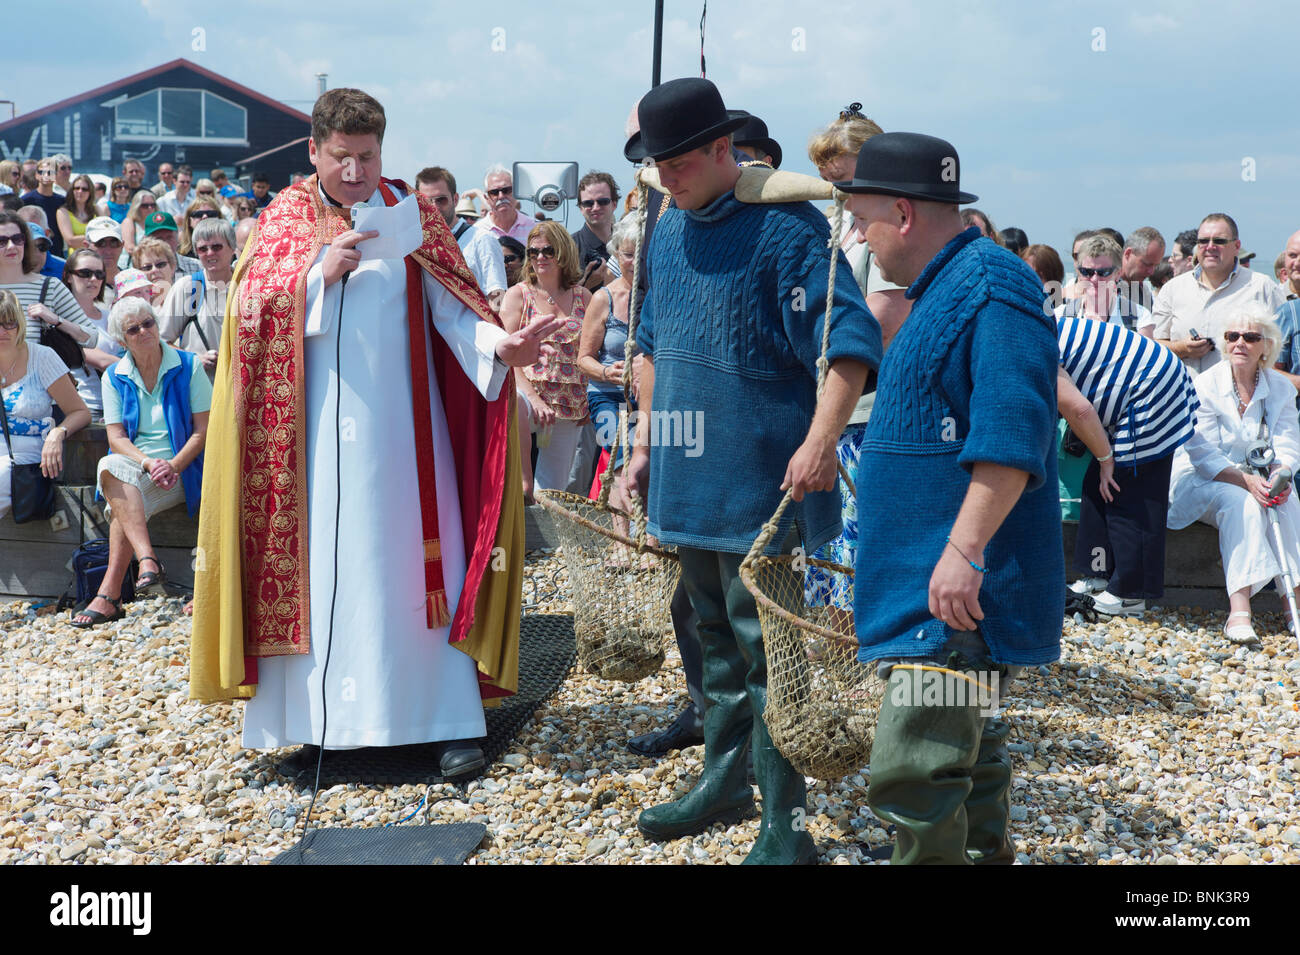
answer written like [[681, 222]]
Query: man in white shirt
[[503, 216], [481, 250], [1197, 301], [174, 202]]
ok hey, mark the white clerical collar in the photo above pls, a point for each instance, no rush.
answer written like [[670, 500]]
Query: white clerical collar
[[329, 201]]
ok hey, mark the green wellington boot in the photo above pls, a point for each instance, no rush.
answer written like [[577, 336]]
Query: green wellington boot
[[988, 807], [782, 835], [722, 793], [921, 777]]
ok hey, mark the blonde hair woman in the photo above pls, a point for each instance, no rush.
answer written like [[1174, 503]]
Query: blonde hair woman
[[32, 381]]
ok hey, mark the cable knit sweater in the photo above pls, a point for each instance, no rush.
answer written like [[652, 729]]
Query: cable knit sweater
[[733, 322], [970, 377]]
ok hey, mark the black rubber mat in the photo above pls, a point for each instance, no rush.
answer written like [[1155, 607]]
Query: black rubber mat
[[446, 844], [546, 654]]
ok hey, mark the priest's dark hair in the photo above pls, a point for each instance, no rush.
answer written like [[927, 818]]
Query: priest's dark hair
[[347, 111]]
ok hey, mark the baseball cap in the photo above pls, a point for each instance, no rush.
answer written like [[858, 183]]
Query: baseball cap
[[39, 235], [157, 222], [131, 280], [102, 227]]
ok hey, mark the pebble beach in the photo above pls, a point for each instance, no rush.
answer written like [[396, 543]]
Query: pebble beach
[[1152, 741]]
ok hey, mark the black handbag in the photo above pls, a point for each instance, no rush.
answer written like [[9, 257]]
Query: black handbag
[[31, 492], [64, 345]]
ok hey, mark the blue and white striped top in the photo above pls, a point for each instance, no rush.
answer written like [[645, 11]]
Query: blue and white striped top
[[1142, 392]]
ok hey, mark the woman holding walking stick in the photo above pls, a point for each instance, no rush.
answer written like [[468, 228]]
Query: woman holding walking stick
[[1243, 401]]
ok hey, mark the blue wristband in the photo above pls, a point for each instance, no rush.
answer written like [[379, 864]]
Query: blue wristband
[[982, 570]]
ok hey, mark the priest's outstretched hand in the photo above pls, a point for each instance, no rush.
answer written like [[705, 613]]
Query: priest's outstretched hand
[[527, 345]]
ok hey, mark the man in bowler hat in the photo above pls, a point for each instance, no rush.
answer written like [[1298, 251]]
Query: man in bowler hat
[[961, 584], [731, 329]]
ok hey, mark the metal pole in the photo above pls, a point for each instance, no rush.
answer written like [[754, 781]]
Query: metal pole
[[659, 43]]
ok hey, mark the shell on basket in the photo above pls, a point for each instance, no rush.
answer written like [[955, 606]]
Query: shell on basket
[[821, 702], [622, 592]]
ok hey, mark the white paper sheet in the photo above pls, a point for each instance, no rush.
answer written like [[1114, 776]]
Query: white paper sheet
[[398, 227]]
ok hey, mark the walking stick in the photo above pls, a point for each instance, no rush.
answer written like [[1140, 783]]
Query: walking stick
[[1261, 457]]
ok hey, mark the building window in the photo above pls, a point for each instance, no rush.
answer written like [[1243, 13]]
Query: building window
[[181, 116]]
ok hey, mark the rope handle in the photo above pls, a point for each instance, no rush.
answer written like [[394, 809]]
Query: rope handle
[[639, 522]]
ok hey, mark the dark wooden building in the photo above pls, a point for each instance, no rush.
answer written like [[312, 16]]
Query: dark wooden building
[[177, 113]]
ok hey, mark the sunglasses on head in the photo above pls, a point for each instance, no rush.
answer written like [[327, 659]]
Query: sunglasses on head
[[1100, 273], [16, 239], [1216, 240], [89, 273], [503, 191], [546, 250], [852, 111], [589, 203], [1250, 338], [137, 329]]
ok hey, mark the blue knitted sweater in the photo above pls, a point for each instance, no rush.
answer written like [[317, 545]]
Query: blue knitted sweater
[[970, 377], [733, 322]]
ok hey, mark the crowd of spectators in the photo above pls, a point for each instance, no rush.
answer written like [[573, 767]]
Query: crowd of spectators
[[70, 254]]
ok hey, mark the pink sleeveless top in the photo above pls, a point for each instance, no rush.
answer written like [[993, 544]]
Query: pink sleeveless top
[[557, 378]]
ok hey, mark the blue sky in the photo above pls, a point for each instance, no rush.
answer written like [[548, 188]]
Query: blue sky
[[1066, 116]]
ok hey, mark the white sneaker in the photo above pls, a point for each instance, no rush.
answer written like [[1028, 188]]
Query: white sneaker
[[1089, 585], [1107, 603]]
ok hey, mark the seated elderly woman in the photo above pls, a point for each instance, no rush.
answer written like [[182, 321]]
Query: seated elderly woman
[[1243, 400], [156, 402]]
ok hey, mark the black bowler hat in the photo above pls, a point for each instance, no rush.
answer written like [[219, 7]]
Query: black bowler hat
[[754, 133], [679, 116], [911, 165]]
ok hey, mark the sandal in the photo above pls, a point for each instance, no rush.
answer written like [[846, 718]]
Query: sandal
[[1242, 633], [95, 618], [150, 580]]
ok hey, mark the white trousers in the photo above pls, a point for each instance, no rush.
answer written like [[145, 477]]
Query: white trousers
[[1250, 557], [555, 459]]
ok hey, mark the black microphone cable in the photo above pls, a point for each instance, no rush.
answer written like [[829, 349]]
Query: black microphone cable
[[334, 592]]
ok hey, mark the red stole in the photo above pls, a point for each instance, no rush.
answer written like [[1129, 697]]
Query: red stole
[[268, 385]]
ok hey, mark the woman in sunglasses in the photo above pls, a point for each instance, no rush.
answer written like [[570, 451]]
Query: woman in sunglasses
[[44, 300], [155, 258], [143, 203], [76, 212], [1098, 298], [554, 391], [156, 402], [84, 276], [207, 189], [1243, 400], [118, 201], [203, 207]]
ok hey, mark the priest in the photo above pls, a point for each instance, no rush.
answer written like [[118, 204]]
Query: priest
[[360, 561]]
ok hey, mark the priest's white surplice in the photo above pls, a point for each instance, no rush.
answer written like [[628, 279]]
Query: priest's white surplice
[[390, 679]]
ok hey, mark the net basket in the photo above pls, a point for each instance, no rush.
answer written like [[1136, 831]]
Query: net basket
[[821, 702], [622, 588]]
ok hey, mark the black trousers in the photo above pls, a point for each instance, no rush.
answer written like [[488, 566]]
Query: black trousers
[[1125, 539]]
